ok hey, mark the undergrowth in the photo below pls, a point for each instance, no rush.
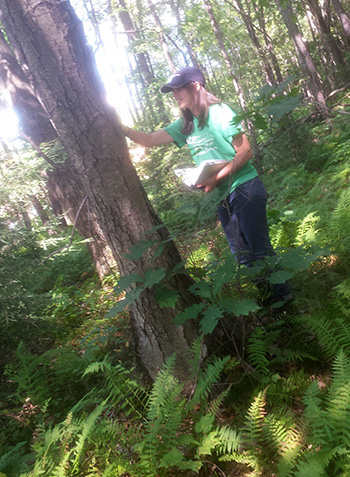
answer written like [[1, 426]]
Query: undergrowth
[[273, 397]]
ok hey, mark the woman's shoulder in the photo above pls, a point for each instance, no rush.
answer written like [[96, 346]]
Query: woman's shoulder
[[221, 112]]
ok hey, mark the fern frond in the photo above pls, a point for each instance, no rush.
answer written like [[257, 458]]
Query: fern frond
[[332, 334], [307, 229], [207, 377], [230, 441], [121, 389], [255, 419], [215, 404], [257, 350], [87, 427]]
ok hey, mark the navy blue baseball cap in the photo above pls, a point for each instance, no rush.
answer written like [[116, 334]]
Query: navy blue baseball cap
[[182, 77]]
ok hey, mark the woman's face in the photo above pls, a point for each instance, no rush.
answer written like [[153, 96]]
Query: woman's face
[[183, 97]]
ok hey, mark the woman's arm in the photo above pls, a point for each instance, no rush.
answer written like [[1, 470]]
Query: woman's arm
[[243, 154], [157, 138]]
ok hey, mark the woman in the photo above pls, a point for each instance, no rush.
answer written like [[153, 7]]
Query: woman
[[207, 127]]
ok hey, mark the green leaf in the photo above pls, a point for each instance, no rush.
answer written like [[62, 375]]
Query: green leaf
[[174, 458], [125, 282], [202, 289], [152, 277], [210, 318], [260, 122], [123, 304], [224, 274], [283, 106], [190, 313], [158, 251], [240, 307], [165, 297], [137, 250], [280, 277], [179, 269]]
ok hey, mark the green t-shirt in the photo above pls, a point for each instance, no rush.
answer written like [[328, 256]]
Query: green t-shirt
[[213, 141]]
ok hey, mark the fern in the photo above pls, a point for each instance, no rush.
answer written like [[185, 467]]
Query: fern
[[209, 376], [307, 230], [255, 418], [120, 388], [328, 418], [164, 416], [339, 222], [257, 349], [333, 333], [343, 294]]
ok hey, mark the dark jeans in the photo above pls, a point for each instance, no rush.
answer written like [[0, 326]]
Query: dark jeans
[[243, 217]]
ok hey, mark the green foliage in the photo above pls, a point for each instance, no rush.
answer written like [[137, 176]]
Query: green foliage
[[327, 415], [271, 103]]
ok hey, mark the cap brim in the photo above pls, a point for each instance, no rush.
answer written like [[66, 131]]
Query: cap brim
[[166, 89]]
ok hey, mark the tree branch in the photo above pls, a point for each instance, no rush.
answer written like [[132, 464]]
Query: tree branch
[[37, 149]]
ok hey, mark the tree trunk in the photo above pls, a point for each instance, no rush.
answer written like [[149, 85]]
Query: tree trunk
[[305, 61], [344, 20], [64, 188], [42, 214], [161, 36], [50, 39], [333, 48], [247, 20], [268, 41], [33, 118], [191, 53]]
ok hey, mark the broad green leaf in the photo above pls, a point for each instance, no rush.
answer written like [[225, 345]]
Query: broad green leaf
[[125, 282], [172, 458], [202, 289], [190, 313], [179, 269], [280, 277], [175, 458], [137, 250], [123, 304], [158, 251], [284, 106], [260, 122], [224, 274], [239, 307], [165, 297], [152, 277], [210, 318]]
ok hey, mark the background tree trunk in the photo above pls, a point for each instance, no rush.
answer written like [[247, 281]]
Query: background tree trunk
[[64, 195], [344, 20], [305, 60], [50, 40]]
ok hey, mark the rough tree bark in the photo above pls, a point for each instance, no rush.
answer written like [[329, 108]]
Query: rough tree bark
[[52, 44]]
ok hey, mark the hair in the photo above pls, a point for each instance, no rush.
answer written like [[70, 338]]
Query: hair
[[202, 100]]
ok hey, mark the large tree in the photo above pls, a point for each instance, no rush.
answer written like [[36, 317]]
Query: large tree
[[49, 41]]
